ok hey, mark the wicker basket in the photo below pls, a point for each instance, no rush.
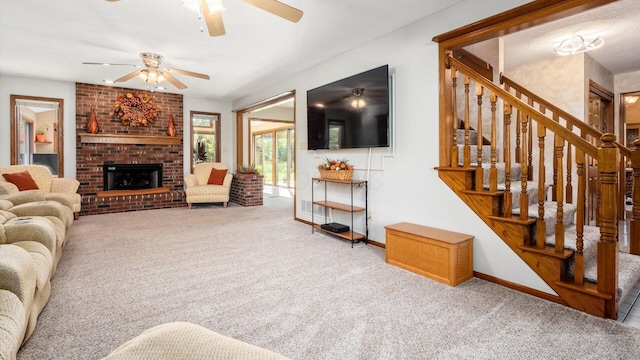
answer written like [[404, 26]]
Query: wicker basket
[[344, 175]]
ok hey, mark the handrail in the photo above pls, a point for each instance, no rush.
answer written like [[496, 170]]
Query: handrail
[[526, 108], [563, 114]]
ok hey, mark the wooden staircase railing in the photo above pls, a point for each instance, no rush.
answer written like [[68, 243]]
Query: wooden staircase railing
[[586, 131], [561, 268]]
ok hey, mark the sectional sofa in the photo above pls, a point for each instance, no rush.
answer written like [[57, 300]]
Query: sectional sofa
[[33, 233]]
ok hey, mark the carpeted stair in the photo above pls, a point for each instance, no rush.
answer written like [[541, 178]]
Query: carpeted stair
[[628, 265]]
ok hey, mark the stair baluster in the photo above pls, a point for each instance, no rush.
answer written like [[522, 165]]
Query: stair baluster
[[466, 158], [541, 225], [508, 196], [524, 195], [559, 233], [530, 145], [569, 187], [634, 223], [493, 171], [518, 155], [554, 186], [608, 245], [578, 269], [479, 142], [454, 117]]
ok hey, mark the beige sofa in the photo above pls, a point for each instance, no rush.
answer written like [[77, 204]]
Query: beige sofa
[[63, 190], [25, 275], [197, 189], [30, 248], [186, 341]]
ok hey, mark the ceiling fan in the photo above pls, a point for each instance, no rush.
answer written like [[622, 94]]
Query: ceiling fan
[[211, 11], [153, 72]]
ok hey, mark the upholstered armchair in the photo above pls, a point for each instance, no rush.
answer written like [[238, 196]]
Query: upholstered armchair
[[62, 190], [209, 183]]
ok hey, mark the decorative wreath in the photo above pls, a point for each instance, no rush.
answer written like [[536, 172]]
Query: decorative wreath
[[135, 109]]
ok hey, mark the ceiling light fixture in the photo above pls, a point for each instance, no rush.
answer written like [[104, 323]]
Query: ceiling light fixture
[[578, 44], [358, 102], [630, 100], [215, 6], [151, 76]]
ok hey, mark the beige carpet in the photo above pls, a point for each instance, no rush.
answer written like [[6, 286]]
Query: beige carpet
[[257, 275]]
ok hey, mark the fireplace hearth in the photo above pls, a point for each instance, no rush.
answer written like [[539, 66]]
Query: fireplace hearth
[[131, 176]]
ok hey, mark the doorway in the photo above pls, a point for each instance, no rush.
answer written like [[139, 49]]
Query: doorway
[[36, 132], [265, 138], [630, 119], [273, 151]]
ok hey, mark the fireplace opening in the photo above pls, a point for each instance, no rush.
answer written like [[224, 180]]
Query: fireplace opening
[[131, 176]]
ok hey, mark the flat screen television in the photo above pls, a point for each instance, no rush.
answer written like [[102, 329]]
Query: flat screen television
[[350, 113]]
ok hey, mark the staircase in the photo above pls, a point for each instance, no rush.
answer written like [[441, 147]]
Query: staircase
[[540, 214]]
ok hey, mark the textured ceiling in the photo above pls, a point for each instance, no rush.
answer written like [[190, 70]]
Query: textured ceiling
[[617, 23], [51, 39]]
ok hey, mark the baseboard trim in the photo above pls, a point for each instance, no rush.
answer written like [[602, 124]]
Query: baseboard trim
[[371, 242], [520, 288]]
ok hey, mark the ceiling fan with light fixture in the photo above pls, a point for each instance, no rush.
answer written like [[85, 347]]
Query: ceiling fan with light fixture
[[211, 11], [153, 73]]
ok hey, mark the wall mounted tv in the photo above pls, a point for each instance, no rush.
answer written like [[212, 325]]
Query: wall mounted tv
[[350, 113]]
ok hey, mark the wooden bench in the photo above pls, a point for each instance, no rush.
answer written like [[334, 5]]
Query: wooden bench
[[441, 255]]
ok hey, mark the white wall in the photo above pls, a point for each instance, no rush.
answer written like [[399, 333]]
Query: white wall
[[404, 185]]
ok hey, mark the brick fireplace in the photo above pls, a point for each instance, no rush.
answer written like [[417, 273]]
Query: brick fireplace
[[118, 144]]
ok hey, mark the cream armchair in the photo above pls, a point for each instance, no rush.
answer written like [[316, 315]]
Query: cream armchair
[[199, 191], [63, 190]]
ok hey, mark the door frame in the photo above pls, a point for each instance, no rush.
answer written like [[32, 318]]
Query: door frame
[[58, 129]]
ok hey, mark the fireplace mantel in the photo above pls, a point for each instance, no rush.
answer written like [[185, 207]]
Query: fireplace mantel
[[129, 139]]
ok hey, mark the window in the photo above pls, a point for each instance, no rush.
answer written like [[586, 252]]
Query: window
[[205, 131]]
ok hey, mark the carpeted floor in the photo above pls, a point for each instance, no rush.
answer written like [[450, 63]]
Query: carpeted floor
[[257, 275]]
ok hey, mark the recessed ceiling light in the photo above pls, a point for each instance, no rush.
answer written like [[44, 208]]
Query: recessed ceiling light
[[108, 81]]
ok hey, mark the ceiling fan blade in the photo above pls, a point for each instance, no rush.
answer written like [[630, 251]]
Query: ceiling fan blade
[[175, 82], [188, 73], [215, 25], [128, 76], [108, 64], [277, 8]]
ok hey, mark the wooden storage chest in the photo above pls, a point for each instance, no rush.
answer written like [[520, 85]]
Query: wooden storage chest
[[440, 255]]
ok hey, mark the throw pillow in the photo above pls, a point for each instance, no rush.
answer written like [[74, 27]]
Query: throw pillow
[[217, 176], [22, 180]]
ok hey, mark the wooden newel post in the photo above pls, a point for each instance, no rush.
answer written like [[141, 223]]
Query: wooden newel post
[[634, 233], [608, 244]]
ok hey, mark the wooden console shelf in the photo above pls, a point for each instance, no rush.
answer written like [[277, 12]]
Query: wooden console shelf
[[441, 255], [129, 139], [349, 208]]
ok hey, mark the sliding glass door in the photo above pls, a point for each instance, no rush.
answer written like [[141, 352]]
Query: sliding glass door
[[275, 159]]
